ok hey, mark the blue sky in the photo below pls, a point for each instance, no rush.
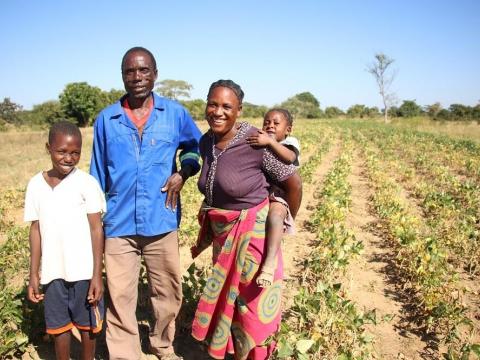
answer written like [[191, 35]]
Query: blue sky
[[273, 49]]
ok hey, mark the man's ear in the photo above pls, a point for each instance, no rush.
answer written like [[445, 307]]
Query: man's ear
[[47, 147], [289, 129], [240, 108]]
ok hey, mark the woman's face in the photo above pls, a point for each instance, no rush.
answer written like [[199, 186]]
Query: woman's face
[[222, 111]]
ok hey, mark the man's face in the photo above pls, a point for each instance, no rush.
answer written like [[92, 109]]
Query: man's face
[[138, 74]]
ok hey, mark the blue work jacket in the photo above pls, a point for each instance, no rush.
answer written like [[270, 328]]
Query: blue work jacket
[[132, 170]]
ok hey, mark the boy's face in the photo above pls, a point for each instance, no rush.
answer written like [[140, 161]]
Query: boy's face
[[65, 153], [276, 126]]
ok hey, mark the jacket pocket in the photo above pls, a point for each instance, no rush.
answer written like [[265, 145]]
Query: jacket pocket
[[161, 147]]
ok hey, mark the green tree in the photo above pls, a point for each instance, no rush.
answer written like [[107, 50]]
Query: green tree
[[174, 89], [433, 110], [308, 97], [444, 114], [303, 105], [9, 111], [49, 112], [372, 112], [82, 102], [333, 112], [394, 111], [112, 96], [476, 112], [380, 69], [196, 108], [409, 108], [357, 111], [460, 112], [253, 111]]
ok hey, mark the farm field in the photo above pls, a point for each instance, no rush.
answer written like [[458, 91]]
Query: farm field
[[385, 263]]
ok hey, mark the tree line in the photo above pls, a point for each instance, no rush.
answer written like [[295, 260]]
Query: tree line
[[80, 102]]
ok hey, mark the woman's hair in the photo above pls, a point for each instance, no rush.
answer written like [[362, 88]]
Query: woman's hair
[[228, 84], [282, 111], [64, 128]]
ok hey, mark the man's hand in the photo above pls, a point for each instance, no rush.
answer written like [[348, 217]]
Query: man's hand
[[95, 291], [260, 139], [33, 292], [173, 186]]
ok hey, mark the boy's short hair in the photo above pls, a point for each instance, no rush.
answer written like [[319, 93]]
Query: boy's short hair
[[64, 128], [284, 112]]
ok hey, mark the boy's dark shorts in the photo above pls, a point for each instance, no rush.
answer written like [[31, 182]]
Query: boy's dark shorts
[[66, 306]]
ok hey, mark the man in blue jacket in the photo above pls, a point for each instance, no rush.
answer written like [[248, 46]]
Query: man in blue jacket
[[134, 159]]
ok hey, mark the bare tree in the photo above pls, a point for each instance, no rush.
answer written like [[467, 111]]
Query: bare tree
[[384, 78]]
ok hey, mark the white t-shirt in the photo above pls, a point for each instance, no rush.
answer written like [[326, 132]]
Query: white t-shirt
[[292, 142], [64, 228]]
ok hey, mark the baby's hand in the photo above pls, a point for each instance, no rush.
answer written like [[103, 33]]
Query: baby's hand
[[260, 139]]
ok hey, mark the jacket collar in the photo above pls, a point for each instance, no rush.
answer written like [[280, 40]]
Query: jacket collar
[[159, 103]]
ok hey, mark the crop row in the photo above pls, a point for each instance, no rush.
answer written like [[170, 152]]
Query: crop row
[[323, 322], [421, 257], [450, 203]]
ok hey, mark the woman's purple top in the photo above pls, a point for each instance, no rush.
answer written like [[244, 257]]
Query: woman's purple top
[[239, 177]]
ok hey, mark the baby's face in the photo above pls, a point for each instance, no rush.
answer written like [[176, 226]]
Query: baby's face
[[276, 125], [65, 151]]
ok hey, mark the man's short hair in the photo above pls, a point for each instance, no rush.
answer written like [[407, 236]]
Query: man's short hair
[[140, 49]]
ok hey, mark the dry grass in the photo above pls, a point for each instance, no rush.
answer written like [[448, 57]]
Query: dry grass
[[23, 154], [456, 129]]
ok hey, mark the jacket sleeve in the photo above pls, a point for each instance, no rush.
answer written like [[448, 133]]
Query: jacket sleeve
[[188, 143], [98, 160]]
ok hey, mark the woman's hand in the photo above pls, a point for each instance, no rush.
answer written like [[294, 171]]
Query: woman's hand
[[173, 186]]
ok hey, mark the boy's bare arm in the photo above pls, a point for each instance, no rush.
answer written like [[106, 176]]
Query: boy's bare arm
[[95, 291], [33, 291], [263, 139]]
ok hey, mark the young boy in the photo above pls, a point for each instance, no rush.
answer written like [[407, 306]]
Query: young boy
[[275, 133], [64, 205]]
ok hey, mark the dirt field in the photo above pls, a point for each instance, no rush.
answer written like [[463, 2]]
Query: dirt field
[[421, 289]]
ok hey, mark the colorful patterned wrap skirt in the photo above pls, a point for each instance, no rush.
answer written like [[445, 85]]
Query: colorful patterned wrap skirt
[[234, 314]]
